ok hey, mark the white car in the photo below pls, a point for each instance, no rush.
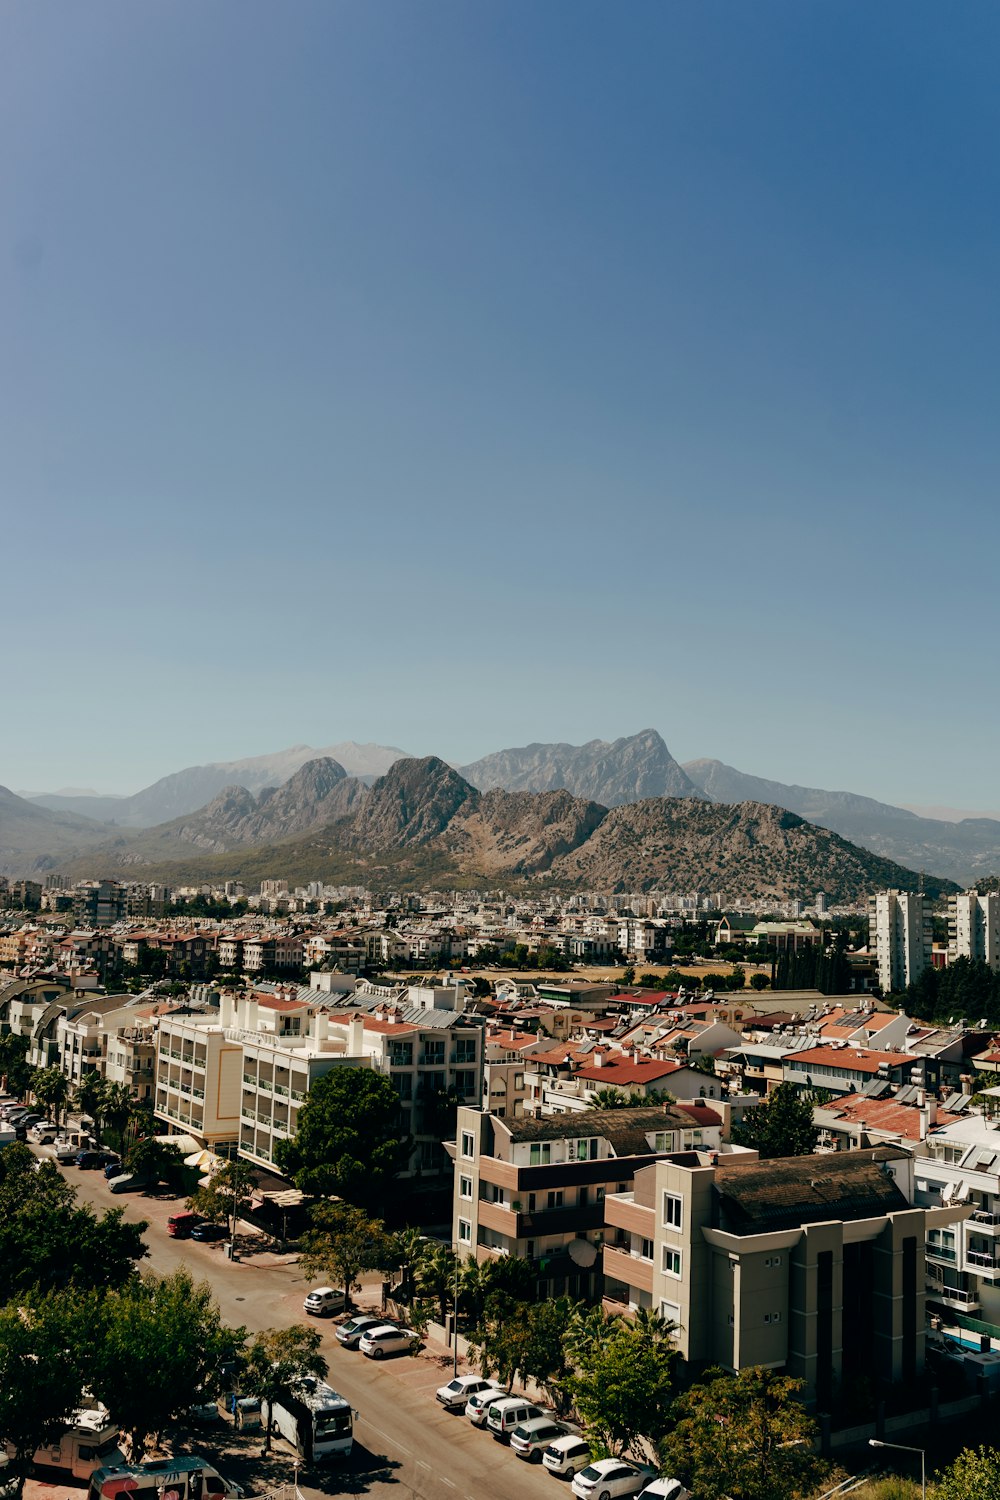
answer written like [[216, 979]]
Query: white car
[[610, 1477], [567, 1455], [455, 1395], [324, 1301], [43, 1132], [665, 1489], [477, 1408], [386, 1338]]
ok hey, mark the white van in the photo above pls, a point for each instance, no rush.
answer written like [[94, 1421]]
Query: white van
[[503, 1416]]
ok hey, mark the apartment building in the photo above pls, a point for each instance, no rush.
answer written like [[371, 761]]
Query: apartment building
[[974, 927], [899, 928], [199, 1079], [536, 1187], [959, 1165], [814, 1265]]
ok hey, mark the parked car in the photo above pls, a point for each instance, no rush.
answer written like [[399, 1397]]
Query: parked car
[[113, 1169], [43, 1132], [477, 1408], [567, 1455], [180, 1225], [128, 1182], [503, 1416], [349, 1333], [530, 1439], [91, 1161], [208, 1231], [455, 1395], [387, 1338], [205, 1414], [610, 1477], [324, 1301], [665, 1489]]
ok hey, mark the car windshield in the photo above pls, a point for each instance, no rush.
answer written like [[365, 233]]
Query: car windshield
[[454, 1385], [591, 1473]]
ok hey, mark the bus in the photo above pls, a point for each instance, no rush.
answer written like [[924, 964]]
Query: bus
[[88, 1440], [190, 1477], [318, 1422]]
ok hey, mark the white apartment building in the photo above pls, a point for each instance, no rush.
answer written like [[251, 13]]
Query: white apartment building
[[961, 1168], [974, 927], [198, 1079], [899, 925]]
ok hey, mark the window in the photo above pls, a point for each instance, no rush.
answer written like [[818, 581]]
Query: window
[[465, 1187], [772, 1260], [555, 1199], [465, 1049], [772, 1317], [671, 1312], [663, 1141], [646, 1250], [582, 1150], [672, 1211], [468, 1143], [671, 1261], [540, 1153], [465, 1231]]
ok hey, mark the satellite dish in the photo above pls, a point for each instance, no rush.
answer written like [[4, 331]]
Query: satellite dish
[[582, 1252]]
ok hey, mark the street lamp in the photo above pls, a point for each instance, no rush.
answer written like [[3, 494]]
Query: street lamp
[[904, 1448], [454, 1315]]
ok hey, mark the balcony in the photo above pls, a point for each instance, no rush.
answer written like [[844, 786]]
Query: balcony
[[955, 1296], [984, 1217], [940, 1252], [632, 1272], [983, 1258], [622, 1212], [520, 1225]]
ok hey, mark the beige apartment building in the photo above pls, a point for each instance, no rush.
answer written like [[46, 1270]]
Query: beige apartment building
[[810, 1264], [198, 1079], [536, 1188]]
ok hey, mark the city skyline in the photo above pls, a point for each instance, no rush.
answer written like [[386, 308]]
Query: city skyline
[[473, 376]]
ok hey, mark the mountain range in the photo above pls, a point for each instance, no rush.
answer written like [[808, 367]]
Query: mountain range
[[215, 808], [424, 823]]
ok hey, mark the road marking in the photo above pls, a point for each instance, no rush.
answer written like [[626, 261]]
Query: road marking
[[393, 1443]]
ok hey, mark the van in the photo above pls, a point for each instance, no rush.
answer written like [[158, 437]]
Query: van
[[179, 1226], [503, 1416]]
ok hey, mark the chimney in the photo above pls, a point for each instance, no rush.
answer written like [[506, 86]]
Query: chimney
[[356, 1036], [932, 1111], [320, 1026], [921, 1098], [925, 1120], [226, 1007]]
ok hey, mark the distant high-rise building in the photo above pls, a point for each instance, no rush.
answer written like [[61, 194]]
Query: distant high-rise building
[[974, 927], [899, 933], [821, 903]]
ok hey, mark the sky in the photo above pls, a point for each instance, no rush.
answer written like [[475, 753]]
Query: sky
[[460, 375]]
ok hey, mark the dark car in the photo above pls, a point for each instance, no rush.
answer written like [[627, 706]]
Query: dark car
[[91, 1161], [206, 1231], [113, 1169]]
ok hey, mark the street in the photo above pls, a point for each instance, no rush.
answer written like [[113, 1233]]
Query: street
[[405, 1443]]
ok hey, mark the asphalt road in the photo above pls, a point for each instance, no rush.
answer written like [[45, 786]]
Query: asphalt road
[[405, 1444]]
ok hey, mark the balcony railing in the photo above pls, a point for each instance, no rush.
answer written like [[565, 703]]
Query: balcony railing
[[939, 1252], [956, 1294], [983, 1216], [984, 1258]]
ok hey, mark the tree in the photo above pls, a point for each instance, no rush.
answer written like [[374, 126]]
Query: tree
[[51, 1088], [628, 975], [973, 1475], [14, 1066], [624, 1385], [155, 1161], [278, 1363], [42, 1346], [436, 1277], [782, 1125], [410, 1247], [46, 1240], [759, 982], [737, 979], [613, 1098], [227, 1193], [117, 1103], [745, 1436], [343, 1242], [91, 1093], [349, 1140], [162, 1346]]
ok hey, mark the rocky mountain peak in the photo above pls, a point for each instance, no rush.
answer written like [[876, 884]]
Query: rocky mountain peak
[[412, 803]]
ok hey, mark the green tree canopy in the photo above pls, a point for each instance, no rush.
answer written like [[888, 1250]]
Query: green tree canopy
[[43, 1347], [163, 1345], [782, 1125], [343, 1242], [278, 1362], [973, 1475], [623, 1386], [47, 1241], [227, 1193], [15, 1070], [746, 1437], [349, 1140], [156, 1161]]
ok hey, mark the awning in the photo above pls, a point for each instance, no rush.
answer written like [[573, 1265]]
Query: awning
[[205, 1160], [287, 1198]]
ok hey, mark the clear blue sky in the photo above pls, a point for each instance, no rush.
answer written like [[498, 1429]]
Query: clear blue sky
[[458, 375]]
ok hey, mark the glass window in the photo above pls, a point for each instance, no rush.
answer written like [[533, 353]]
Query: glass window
[[468, 1143], [671, 1261], [465, 1231], [465, 1187], [541, 1153], [672, 1211]]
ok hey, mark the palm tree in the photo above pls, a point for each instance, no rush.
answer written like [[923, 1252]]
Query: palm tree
[[116, 1107], [90, 1097], [472, 1291], [589, 1329], [411, 1248], [436, 1277], [50, 1087]]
